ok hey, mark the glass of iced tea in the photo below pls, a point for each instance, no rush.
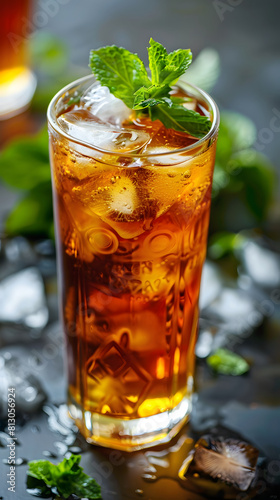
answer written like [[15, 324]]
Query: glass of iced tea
[[17, 82], [132, 202]]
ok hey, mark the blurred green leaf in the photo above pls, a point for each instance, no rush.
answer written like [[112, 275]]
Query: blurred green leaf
[[44, 94], [244, 179], [25, 162], [48, 53], [236, 132], [240, 129], [204, 71], [220, 180], [33, 214], [50, 58], [221, 244], [227, 362], [224, 145], [258, 180]]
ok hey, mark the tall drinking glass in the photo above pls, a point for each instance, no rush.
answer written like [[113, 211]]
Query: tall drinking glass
[[131, 214], [17, 82]]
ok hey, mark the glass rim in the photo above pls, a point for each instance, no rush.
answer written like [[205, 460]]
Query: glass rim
[[52, 120]]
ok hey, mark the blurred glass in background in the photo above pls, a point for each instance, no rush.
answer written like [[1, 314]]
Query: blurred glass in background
[[17, 82]]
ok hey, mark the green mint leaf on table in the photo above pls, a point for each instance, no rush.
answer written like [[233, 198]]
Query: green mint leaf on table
[[227, 363], [67, 478], [127, 79]]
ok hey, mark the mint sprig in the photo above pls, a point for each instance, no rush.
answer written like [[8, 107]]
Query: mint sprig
[[167, 68], [127, 79], [119, 70], [66, 478]]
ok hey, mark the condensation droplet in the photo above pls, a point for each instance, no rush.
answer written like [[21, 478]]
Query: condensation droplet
[[49, 454], [187, 174]]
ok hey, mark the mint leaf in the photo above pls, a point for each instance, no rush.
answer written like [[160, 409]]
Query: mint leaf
[[37, 487], [119, 70], [126, 77], [67, 477], [41, 470], [179, 118], [167, 68], [227, 362], [151, 96], [82, 485], [205, 70]]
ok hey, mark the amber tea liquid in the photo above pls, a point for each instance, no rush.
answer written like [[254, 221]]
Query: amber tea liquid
[[131, 237]]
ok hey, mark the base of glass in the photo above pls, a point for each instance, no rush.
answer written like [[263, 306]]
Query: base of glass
[[17, 94], [133, 434]]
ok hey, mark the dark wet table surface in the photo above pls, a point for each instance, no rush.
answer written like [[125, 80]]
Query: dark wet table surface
[[245, 408]]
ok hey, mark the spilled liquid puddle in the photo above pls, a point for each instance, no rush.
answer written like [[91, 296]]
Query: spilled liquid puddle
[[59, 421], [227, 469], [166, 463], [165, 467]]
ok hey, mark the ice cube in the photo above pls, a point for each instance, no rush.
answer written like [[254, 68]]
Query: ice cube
[[224, 459], [94, 97], [29, 393], [101, 103], [124, 199], [261, 264], [168, 141], [158, 155], [115, 198], [233, 310], [84, 126], [18, 249], [22, 299]]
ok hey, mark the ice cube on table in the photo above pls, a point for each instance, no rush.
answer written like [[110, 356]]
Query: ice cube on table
[[29, 393], [261, 264], [22, 299], [225, 459], [84, 126], [234, 311], [18, 250], [101, 103]]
